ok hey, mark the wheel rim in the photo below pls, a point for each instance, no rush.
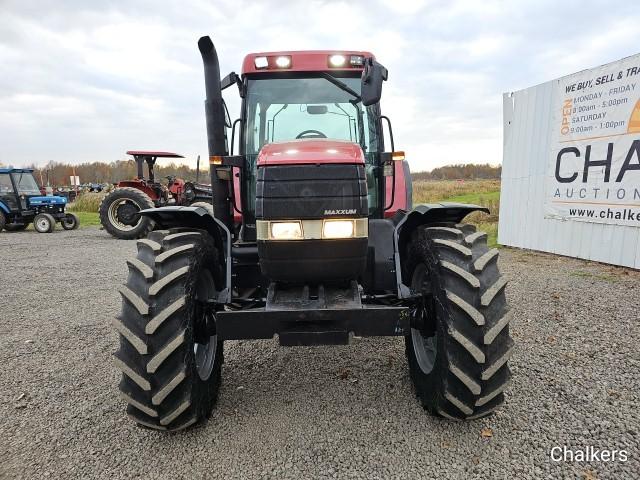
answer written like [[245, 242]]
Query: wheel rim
[[115, 220], [43, 224], [205, 353], [424, 347], [68, 221]]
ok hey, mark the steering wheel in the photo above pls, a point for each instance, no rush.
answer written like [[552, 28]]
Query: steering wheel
[[315, 134]]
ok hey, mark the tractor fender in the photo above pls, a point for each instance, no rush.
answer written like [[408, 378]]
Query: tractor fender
[[4, 207], [200, 218], [407, 222]]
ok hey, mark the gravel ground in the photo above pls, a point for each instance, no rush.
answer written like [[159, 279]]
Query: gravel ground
[[326, 412]]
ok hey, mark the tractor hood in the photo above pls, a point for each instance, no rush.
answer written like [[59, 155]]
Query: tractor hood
[[46, 200], [310, 151]]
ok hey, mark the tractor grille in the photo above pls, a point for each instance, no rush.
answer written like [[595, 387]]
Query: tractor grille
[[311, 191]]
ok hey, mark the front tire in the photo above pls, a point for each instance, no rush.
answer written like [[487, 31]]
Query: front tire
[[70, 221], [169, 354], [459, 342], [44, 223], [119, 213]]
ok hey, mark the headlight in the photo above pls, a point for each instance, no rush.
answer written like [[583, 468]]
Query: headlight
[[286, 230], [337, 229], [312, 229]]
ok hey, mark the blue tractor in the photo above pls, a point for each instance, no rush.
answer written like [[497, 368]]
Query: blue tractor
[[22, 203]]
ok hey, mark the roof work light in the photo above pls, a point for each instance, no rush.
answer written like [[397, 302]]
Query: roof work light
[[338, 60], [283, 61], [261, 62]]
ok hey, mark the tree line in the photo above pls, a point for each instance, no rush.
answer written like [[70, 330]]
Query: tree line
[[466, 171], [58, 174]]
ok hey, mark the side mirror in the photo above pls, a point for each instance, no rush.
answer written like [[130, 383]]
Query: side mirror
[[371, 82], [232, 79]]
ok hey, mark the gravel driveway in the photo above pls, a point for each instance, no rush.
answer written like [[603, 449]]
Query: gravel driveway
[[325, 412]]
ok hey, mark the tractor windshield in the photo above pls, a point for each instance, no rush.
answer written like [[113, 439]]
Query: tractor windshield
[[25, 183], [281, 109]]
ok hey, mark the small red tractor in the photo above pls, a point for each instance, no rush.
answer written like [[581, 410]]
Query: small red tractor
[[120, 209], [310, 236]]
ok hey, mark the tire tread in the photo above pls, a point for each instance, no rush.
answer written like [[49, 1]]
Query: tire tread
[[473, 373], [159, 383]]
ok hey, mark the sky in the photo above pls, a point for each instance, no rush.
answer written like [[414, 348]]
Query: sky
[[87, 80]]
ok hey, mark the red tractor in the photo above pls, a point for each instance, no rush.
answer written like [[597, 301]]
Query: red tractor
[[310, 237], [120, 209]]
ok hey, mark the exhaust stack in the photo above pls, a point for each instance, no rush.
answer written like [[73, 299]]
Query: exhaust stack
[[216, 130]]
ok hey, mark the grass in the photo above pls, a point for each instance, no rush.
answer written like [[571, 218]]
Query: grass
[[88, 219], [476, 197], [440, 190]]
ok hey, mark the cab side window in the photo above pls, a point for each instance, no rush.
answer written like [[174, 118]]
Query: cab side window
[[5, 184]]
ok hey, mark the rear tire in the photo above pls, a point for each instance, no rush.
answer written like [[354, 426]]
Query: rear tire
[[125, 202], [44, 223], [70, 221], [459, 344], [171, 366]]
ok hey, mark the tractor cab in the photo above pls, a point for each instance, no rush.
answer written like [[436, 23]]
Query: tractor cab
[[315, 101], [22, 202]]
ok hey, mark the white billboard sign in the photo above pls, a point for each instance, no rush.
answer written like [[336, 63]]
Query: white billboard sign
[[594, 166]]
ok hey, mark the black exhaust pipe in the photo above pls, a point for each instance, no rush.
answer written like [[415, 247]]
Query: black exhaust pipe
[[216, 129]]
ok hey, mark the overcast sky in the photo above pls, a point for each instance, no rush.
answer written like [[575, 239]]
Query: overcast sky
[[87, 80]]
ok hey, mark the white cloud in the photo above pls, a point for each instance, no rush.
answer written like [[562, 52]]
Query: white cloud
[[406, 7]]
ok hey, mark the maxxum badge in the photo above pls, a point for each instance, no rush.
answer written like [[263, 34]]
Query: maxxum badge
[[351, 211]]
